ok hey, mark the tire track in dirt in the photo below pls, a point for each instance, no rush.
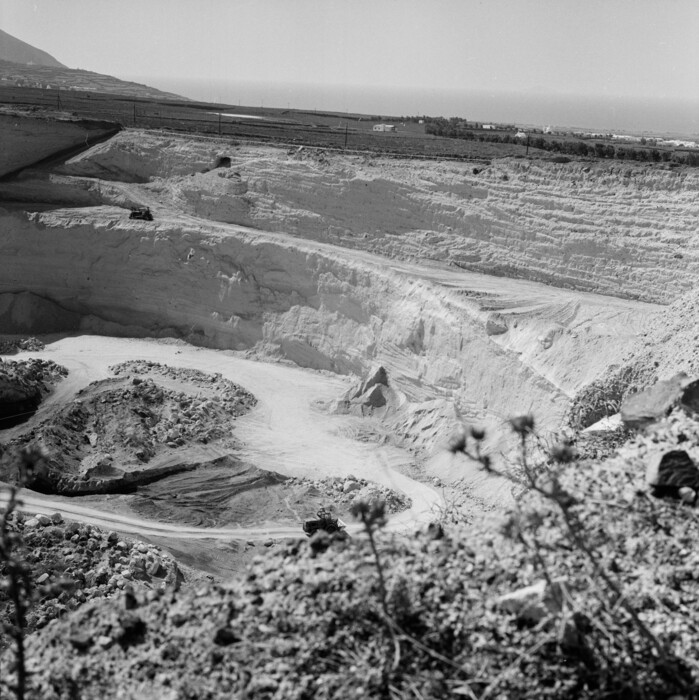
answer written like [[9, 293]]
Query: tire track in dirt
[[283, 433]]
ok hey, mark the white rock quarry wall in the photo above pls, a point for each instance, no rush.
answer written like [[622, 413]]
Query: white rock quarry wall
[[231, 288], [625, 230]]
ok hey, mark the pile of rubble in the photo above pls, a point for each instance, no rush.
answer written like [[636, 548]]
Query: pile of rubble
[[235, 399], [32, 374], [72, 563], [343, 492], [14, 345]]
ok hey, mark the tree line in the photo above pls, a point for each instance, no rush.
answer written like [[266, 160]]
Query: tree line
[[456, 128]]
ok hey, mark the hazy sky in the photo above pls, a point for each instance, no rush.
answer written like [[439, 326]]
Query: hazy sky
[[644, 48]]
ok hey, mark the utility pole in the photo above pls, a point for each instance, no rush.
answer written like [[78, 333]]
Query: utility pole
[[345, 136], [527, 151], [58, 99], [219, 123]]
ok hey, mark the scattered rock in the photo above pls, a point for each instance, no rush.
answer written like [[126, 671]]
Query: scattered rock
[[133, 629], [533, 603], [547, 339], [81, 640], [350, 485], [225, 636], [495, 325]]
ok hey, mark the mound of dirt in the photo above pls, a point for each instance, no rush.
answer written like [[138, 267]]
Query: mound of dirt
[[133, 429]]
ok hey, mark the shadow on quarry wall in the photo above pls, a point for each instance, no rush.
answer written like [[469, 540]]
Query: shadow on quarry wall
[[259, 293], [16, 412], [30, 141], [30, 314]]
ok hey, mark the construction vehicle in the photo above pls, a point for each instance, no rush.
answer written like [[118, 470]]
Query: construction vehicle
[[325, 521], [142, 213]]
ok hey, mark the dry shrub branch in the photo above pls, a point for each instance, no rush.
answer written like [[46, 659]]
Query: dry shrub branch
[[601, 643]]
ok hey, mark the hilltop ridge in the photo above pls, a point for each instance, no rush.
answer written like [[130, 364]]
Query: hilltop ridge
[[23, 65], [18, 51]]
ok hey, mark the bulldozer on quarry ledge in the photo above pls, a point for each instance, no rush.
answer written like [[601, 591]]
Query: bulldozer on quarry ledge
[[142, 213], [325, 521]]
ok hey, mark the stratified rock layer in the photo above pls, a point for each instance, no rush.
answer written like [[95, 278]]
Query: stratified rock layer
[[622, 229]]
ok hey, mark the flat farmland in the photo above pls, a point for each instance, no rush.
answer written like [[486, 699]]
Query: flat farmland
[[345, 131]]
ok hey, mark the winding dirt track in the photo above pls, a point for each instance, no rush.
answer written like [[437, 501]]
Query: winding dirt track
[[284, 433]]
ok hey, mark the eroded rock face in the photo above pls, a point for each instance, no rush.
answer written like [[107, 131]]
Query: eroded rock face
[[447, 335], [603, 228]]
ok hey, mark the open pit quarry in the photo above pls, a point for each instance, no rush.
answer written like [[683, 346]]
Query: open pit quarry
[[485, 291]]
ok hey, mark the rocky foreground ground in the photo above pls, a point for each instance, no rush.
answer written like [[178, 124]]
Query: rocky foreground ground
[[586, 588], [71, 563]]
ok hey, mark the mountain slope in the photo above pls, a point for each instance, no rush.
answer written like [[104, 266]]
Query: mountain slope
[[34, 76], [18, 51]]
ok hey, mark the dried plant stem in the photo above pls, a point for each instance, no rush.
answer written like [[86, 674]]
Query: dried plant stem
[[377, 561], [18, 590]]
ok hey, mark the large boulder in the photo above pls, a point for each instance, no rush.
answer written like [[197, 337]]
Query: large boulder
[[649, 406], [495, 325], [673, 474], [364, 398], [534, 603]]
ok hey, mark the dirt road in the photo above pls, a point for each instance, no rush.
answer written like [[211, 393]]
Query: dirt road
[[284, 433]]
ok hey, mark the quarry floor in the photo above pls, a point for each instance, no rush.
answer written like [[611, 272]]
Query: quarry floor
[[285, 433], [483, 294]]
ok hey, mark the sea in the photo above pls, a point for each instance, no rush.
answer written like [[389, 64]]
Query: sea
[[602, 114]]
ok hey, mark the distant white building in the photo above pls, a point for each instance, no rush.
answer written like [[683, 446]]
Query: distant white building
[[384, 127], [521, 135], [488, 126]]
